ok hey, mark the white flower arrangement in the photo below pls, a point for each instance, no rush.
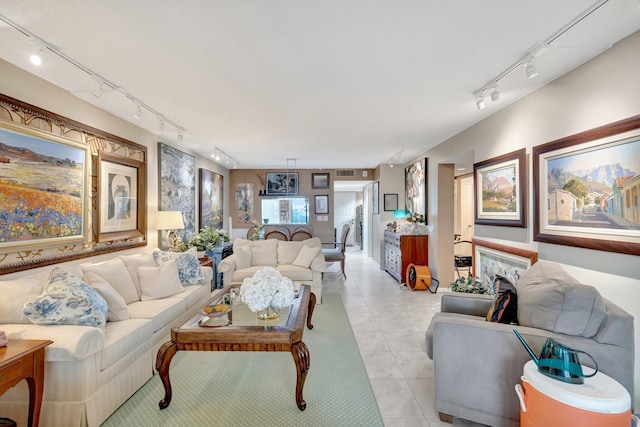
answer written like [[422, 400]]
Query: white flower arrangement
[[267, 287]]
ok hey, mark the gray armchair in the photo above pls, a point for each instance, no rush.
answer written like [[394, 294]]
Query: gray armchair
[[336, 254], [477, 363]]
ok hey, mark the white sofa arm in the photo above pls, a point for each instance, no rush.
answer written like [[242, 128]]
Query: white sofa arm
[[227, 265], [319, 264]]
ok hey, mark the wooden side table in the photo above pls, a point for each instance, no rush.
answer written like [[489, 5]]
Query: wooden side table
[[24, 359], [208, 262]]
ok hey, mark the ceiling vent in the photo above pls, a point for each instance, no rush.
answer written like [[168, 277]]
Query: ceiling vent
[[345, 173]]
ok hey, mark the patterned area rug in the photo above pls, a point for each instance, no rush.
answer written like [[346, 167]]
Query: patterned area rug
[[258, 389]]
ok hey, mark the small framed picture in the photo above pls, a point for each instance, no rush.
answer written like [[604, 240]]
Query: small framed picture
[[319, 180], [390, 202], [321, 204]]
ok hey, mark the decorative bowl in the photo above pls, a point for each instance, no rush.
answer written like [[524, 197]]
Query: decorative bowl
[[215, 310]]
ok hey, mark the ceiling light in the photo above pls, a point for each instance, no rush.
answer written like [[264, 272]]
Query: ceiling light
[[480, 101], [235, 164], [160, 122], [530, 68], [180, 136], [495, 93], [99, 90], [138, 112]]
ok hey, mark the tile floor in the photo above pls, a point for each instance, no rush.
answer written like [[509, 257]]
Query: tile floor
[[389, 324]]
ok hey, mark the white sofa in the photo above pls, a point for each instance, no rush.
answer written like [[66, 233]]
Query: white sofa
[[90, 371], [301, 261]]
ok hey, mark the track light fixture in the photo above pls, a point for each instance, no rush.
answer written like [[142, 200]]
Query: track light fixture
[[480, 101], [222, 157], [45, 48], [494, 92], [530, 68], [160, 122], [137, 114]]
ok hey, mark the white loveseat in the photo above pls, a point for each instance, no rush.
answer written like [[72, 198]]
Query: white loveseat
[[90, 371], [301, 261]]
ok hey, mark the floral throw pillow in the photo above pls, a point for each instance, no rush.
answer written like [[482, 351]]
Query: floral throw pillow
[[188, 265], [66, 300]]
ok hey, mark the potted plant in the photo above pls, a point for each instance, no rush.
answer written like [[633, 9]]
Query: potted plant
[[470, 285], [205, 240]]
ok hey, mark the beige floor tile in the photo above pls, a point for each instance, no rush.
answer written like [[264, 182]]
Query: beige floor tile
[[371, 341], [414, 364], [381, 364], [405, 422], [395, 398]]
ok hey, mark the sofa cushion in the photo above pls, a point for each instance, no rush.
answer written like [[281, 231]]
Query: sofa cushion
[[132, 262], [240, 275], [14, 293], [550, 299], [66, 300], [160, 311], [116, 274], [288, 251], [243, 257], [193, 294], [188, 265], [295, 272], [116, 305], [123, 337], [306, 256], [160, 282], [263, 252]]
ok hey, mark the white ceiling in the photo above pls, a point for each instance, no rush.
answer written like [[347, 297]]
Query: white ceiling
[[332, 83]]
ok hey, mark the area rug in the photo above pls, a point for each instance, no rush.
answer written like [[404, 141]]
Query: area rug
[[258, 389]]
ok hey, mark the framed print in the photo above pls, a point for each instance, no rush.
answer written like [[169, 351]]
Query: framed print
[[491, 258], [284, 183], [501, 191], [376, 197], [319, 180], [587, 189], [415, 187], [390, 202], [120, 183], [211, 201], [321, 205], [177, 187], [44, 189]]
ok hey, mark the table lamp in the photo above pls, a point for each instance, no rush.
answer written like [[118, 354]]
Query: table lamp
[[171, 221]]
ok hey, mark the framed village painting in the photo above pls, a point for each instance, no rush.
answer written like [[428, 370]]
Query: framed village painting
[[500, 190], [587, 189]]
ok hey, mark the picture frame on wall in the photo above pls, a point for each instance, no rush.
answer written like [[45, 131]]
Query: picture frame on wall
[[390, 202], [120, 209], [500, 190], [320, 180], [282, 183], [491, 258], [587, 189], [321, 204], [415, 187], [46, 189], [211, 199], [177, 190]]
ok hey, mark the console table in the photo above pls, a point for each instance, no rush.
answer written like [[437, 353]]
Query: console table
[[24, 359], [400, 250]]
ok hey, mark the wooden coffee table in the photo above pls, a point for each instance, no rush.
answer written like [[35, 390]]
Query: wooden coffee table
[[24, 359], [239, 330]]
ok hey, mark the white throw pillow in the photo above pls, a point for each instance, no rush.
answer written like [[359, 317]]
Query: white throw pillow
[[188, 265], [160, 282], [117, 307], [264, 252], [243, 257], [67, 300], [132, 262], [306, 256], [116, 274], [13, 295]]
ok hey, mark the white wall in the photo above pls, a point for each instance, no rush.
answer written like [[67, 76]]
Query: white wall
[[604, 90], [28, 88]]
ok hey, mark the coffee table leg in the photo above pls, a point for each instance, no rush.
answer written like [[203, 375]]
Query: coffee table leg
[[163, 360], [312, 306], [302, 359]]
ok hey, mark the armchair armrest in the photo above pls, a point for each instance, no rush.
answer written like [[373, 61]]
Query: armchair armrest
[[228, 264], [472, 304]]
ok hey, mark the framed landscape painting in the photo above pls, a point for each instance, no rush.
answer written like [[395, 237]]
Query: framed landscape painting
[[320, 180], [501, 191], [121, 183], [491, 258], [44, 186], [211, 201], [415, 187], [587, 189]]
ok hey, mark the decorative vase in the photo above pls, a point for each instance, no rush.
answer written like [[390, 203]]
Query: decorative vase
[[268, 313], [415, 229]]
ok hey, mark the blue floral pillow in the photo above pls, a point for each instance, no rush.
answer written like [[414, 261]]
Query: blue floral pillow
[[189, 269], [66, 300]]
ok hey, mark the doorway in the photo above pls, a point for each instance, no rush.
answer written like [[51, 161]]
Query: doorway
[[463, 220], [344, 212]]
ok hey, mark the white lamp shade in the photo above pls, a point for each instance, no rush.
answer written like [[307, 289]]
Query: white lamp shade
[[170, 220]]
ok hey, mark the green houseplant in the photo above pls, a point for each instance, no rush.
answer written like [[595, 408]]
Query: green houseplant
[[470, 285]]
